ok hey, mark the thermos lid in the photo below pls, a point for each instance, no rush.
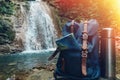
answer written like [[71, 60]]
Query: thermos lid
[[107, 33]]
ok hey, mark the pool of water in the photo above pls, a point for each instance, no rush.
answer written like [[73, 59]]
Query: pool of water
[[23, 61]]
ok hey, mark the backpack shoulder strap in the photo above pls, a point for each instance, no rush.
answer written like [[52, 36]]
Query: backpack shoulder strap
[[84, 48]]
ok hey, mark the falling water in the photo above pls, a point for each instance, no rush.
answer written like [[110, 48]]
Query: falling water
[[40, 32]]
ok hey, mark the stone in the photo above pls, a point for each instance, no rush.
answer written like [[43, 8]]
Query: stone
[[36, 70], [12, 64], [51, 66], [1, 76], [4, 49], [118, 76], [42, 74], [11, 78]]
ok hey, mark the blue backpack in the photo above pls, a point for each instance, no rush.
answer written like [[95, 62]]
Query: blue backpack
[[78, 61]]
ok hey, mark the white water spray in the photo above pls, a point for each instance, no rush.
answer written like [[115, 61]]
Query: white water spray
[[40, 32]]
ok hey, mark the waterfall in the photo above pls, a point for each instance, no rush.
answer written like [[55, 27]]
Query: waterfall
[[40, 32]]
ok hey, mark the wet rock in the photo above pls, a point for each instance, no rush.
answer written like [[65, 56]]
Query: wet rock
[[4, 49], [15, 50], [8, 79], [42, 74], [13, 69], [21, 75], [12, 77], [36, 70], [118, 76], [1, 54], [1, 76], [35, 77], [39, 67], [12, 64], [51, 67]]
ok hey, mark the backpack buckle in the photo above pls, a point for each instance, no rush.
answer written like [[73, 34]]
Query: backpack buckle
[[84, 53], [85, 36]]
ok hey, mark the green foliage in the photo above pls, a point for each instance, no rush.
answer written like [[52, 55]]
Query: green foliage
[[6, 32], [25, 0], [87, 9], [6, 8], [11, 34]]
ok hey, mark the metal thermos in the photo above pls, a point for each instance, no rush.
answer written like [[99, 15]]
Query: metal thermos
[[107, 55]]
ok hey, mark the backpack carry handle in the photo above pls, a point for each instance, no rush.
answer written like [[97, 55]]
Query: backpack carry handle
[[72, 26]]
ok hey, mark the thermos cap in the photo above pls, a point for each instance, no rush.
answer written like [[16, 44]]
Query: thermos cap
[[107, 33]]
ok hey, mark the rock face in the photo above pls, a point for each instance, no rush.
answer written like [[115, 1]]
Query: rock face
[[4, 49], [19, 24], [19, 27], [20, 21]]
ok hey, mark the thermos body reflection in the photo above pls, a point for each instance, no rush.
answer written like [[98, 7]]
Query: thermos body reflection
[[107, 55]]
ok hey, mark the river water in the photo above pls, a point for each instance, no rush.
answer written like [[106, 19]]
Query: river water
[[12, 63]]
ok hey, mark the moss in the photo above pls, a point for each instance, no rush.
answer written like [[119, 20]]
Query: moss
[[11, 34], [6, 32], [6, 29], [6, 8]]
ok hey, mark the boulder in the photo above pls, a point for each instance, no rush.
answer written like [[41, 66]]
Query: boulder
[[4, 49], [12, 64]]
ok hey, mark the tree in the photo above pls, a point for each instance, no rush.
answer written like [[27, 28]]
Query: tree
[[87, 9]]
